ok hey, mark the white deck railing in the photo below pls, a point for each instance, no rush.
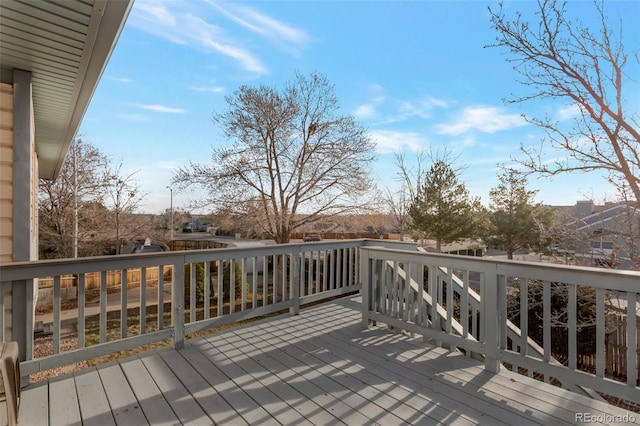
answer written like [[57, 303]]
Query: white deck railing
[[411, 291], [122, 302]]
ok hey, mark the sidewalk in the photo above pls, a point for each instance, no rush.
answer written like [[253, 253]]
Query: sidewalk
[[92, 306]]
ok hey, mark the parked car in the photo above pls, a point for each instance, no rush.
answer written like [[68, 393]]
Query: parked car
[[194, 225], [312, 237]]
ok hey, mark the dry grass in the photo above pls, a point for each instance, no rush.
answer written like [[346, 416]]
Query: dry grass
[[43, 346]]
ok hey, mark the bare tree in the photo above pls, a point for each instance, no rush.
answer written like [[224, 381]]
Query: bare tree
[[399, 201], [81, 181], [292, 153], [563, 60], [124, 196]]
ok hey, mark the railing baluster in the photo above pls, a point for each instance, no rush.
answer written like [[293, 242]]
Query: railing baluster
[[160, 310], [143, 300], [449, 300], [394, 299], [385, 307], [434, 291], [356, 260], [56, 314], [265, 284], [325, 268], [124, 287], [332, 269], [177, 314], [379, 288], [285, 277], [193, 284], [243, 281], [274, 278], [600, 332], [220, 293], [422, 303], [501, 283], [81, 315], [103, 306], [345, 267], [207, 290], [572, 326], [368, 284], [406, 292], [308, 262], [464, 306], [351, 266], [490, 318], [29, 308], [546, 322], [304, 287], [632, 336], [232, 285], [317, 270], [524, 316], [296, 284], [254, 282]]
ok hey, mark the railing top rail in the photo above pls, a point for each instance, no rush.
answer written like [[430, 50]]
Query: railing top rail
[[40, 268], [584, 275]]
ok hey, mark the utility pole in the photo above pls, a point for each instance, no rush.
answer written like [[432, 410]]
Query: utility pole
[[74, 149], [171, 215]]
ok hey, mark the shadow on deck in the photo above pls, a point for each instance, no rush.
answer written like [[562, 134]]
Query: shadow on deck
[[319, 367]]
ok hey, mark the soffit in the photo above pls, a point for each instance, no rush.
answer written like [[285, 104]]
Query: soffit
[[65, 45]]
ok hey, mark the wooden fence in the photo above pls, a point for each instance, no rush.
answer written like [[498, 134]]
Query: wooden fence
[[617, 347]]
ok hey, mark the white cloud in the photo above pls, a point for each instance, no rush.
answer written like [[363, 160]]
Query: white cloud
[[421, 108], [163, 108], [485, 119], [134, 117], [388, 141], [121, 79], [568, 112], [286, 36], [390, 110], [468, 141], [209, 89], [365, 111], [201, 25]]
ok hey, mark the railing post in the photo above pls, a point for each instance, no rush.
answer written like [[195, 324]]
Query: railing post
[[490, 314], [177, 312], [294, 289], [365, 291]]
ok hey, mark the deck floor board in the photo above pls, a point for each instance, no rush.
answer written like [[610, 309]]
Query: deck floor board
[[316, 368]]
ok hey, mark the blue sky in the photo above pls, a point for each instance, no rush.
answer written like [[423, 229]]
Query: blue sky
[[416, 74]]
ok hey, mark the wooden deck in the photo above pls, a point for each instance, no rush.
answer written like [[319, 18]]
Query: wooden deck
[[316, 368]]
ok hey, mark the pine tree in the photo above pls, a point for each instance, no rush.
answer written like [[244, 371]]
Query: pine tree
[[517, 220], [443, 209]]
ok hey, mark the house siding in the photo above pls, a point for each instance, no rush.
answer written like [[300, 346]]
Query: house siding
[[18, 196], [6, 172]]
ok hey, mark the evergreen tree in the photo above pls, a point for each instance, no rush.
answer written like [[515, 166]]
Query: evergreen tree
[[443, 209], [517, 220]]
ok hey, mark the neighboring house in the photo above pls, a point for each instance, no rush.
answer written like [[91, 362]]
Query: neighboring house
[[606, 236], [52, 54]]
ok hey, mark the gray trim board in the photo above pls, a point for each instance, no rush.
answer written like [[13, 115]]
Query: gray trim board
[[22, 172]]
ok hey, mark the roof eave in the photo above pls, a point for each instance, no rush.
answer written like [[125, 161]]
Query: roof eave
[[107, 21]]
